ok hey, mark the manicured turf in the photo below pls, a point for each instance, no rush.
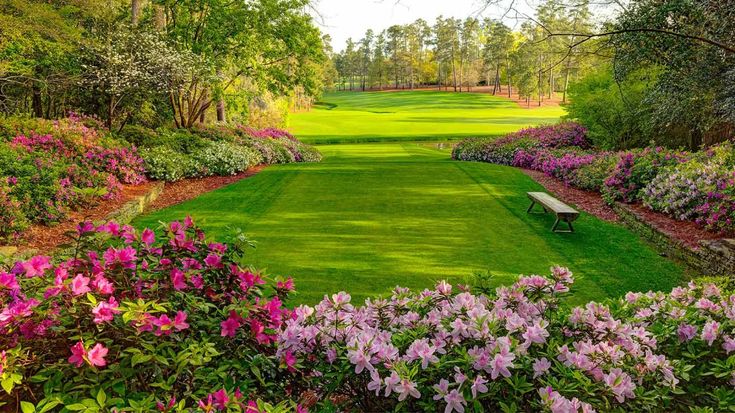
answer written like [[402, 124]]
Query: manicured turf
[[372, 216], [413, 116]]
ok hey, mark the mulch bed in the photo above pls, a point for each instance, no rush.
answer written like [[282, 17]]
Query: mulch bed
[[686, 232], [590, 202], [45, 238], [184, 190]]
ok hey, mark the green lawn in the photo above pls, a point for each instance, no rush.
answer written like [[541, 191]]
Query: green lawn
[[412, 116], [372, 216]]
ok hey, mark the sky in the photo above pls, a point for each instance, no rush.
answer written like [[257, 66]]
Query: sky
[[343, 19]]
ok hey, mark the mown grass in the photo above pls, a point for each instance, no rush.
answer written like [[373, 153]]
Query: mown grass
[[373, 216], [413, 116]]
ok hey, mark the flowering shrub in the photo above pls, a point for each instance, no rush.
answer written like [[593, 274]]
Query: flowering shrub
[[449, 350], [635, 169], [52, 166], [223, 158], [140, 322], [171, 155], [699, 189], [503, 151], [686, 186]]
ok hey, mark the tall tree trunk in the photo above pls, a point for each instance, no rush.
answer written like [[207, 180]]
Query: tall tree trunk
[[134, 11], [551, 83], [36, 102], [566, 80], [540, 92], [497, 78], [221, 115], [509, 83], [159, 17]]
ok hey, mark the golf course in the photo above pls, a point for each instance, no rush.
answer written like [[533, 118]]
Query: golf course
[[371, 216]]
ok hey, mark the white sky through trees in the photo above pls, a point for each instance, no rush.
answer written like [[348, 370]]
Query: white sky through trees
[[343, 19]]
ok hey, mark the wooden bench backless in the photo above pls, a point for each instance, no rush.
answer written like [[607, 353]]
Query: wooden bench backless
[[563, 211]]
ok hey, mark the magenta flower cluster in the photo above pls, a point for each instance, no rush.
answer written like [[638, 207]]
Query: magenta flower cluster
[[149, 310], [63, 165]]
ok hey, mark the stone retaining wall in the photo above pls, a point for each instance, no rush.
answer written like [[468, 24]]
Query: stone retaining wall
[[713, 257]]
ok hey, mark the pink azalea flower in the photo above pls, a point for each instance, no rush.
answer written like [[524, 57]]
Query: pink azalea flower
[[77, 354], [148, 237], [621, 384], [220, 399], [289, 360], [710, 332], [686, 332], [214, 261], [197, 281], [285, 285], [406, 388], [105, 311], [36, 266], [179, 322], [102, 285], [455, 402], [541, 366], [96, 355], [442, 389], [8, 281], [478, 386], [500, 365], [80, 285], [178, 280], [444, 288], [422, 350], [230, 326]]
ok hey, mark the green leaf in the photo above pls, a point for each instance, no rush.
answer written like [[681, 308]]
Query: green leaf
[[76, 407], [101, 398], [48, 406], [92, 299], [27, 407], [140, 358]]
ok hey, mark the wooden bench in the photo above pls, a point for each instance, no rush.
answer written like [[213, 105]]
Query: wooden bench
[[563, 211]]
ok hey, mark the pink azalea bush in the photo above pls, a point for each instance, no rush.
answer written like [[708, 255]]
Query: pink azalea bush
[[50, 167], [446, 349], [141, 321], [696, 186], [700, 189], [503, 150]]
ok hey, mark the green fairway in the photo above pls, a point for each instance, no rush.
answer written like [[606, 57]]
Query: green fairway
[[412, 116], [372, 216]]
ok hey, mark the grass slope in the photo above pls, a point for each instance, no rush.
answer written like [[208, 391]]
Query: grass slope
[[372, 216], [411, 116]]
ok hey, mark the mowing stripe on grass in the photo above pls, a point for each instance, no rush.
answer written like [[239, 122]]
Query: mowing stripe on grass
[[372, 216]]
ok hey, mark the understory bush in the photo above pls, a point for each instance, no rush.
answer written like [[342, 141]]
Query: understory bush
[[447, 349], [697, 186], [215, 150], [141, 322], [49, 167], [699, 189], [503, 150]]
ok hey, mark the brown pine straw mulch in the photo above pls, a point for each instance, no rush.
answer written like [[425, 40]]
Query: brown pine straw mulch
[[186, 189], [46, 238], [686, 232]]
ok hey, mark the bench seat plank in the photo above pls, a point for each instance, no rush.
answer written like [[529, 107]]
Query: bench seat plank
[[562, 211]]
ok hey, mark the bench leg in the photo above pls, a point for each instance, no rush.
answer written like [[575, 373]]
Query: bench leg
[[530, 207], [556, 225]]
